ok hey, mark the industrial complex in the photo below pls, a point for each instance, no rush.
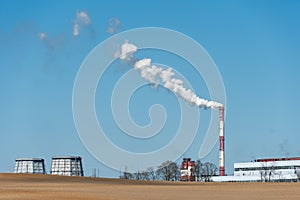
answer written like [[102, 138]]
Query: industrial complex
[[65, 165], [265, 170], [260, 170]]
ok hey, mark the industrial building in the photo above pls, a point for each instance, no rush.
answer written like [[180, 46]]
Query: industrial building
[[67, 166], [265, 170], [30, 166], [187, 170]]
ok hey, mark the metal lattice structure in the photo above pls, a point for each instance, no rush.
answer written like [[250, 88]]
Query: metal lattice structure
[[67, 166], [30, 166]]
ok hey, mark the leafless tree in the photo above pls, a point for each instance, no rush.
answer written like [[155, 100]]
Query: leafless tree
[[209, 170], [267, 172], [263, 173], [151, 173], [143, 175], [198, 169], [297, 172], [168, 171], [137, 176], [271, 172], [127, 175]]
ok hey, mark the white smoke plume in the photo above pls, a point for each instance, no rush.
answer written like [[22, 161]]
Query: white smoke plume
[[114, 24], [42, 35], [52, 43], [126, 52], [158, 75], [82, 19]]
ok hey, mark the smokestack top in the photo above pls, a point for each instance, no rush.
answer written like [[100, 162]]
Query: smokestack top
[[221, 109]]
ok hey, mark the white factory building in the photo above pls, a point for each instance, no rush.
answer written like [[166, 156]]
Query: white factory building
[[271, 169]]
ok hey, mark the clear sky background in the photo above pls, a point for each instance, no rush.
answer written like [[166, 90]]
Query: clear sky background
[[255, 45]]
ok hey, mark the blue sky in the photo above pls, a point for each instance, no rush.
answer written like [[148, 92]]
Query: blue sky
[[255, 45]]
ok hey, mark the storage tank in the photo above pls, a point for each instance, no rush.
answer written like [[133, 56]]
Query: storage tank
[[30, 166], [67, 166]]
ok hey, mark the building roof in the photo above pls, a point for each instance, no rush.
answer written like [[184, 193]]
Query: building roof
[[29, 159], [276, 159], [267, 164], [66, 157]]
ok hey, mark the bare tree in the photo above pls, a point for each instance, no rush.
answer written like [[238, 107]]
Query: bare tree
[[168, 171], [143, 175], [267, 172], [263, 173], [137, 176], [127, 175], [209, 170], [198, 169], [151, 173], [271, 172], [297, 172]]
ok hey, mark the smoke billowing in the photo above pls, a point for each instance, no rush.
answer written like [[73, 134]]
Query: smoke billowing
[[158, 75], [42, 36], [114, 25], [82, 19], [52, 43], [284, 146], [126, 52]]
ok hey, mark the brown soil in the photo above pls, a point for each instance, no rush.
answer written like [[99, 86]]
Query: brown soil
[[24, 186]]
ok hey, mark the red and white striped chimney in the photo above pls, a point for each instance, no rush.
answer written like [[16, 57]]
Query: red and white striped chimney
[[222, 168]]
